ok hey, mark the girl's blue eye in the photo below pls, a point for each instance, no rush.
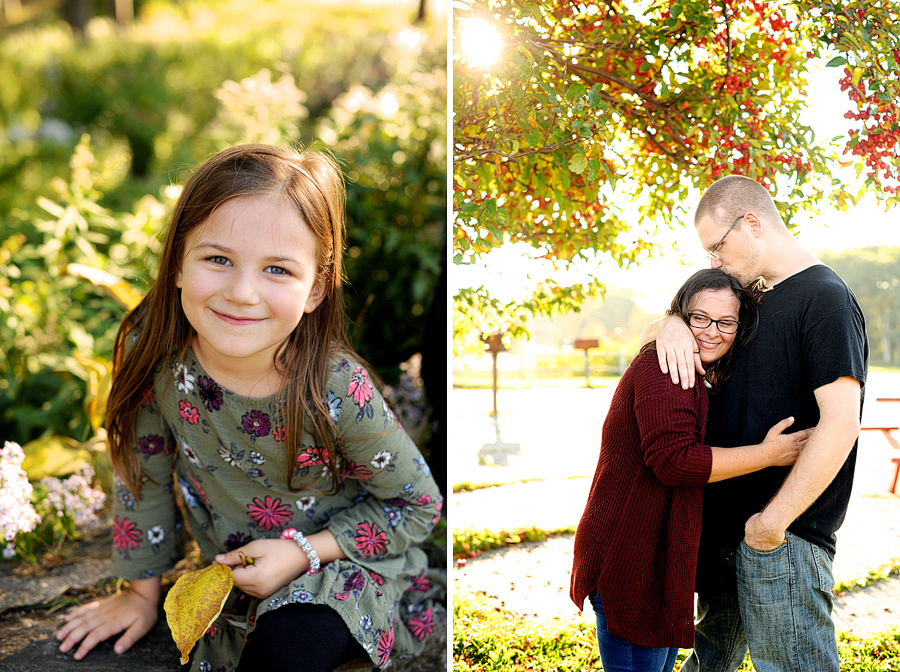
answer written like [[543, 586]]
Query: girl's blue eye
[[219, 261], [278, 270]]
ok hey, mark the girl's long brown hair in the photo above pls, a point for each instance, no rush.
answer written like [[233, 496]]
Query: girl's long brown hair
[[157, 331]]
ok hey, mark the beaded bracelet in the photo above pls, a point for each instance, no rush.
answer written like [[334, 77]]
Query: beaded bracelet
[[306, 547]]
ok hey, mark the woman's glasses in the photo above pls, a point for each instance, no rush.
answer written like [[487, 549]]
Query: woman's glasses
[[702, 322]]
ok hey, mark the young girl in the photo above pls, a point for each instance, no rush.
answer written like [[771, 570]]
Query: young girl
[[637, 542], [235, 383]]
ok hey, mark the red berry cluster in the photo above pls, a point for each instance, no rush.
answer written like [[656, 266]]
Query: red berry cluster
[[878, 141]]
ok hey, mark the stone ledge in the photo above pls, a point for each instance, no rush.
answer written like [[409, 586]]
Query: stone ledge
[[27, 644], [27, 628]]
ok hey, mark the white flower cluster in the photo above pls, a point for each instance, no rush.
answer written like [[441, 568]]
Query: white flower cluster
[[16, 511], [75, 497]]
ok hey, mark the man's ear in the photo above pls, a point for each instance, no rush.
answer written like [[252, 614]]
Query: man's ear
[[316, 295], [756, 225]]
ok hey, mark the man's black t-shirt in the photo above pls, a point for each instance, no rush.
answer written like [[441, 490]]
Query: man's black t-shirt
[[811, 332]]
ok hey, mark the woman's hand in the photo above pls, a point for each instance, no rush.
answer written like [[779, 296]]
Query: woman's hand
[[276, 562], [784, 449], [133, 610]]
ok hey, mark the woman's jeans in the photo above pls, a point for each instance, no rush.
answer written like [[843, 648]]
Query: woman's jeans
[[780, 610], [619, 655]]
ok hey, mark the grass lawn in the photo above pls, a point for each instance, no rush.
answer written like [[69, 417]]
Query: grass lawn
[[486, 637]]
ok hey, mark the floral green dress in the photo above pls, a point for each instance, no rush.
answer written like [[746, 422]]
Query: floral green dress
[[223, 451]]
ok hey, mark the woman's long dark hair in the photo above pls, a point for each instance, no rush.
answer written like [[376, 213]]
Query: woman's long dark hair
[[714, 278]]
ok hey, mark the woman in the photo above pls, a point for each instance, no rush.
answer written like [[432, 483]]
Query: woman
[[636, 545]]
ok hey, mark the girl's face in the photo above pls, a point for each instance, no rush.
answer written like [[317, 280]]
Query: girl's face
[[247, 276], [715, 304]]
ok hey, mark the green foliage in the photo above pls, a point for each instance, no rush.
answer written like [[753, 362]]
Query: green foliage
[[873, 273], [466, 486], [879, 653], [486, 637], [881, 573], [394, 145], [469, 542], [55, 327], [592, 107], [93, 134]]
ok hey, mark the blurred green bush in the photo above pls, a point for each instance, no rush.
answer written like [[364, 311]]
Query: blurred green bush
[[94, 134]]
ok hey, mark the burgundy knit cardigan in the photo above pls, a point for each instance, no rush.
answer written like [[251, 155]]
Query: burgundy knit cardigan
[[638, 536]]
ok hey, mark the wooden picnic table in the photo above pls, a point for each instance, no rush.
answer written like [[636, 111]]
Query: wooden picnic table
[[888, 433]]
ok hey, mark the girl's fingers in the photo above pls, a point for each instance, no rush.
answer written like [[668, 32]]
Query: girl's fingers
[[88, 627], [231, 559], [99, 632], [81, 611], [137, 630], [80, 630]]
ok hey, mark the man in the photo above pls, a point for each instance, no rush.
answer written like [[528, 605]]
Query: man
[[768, 539]]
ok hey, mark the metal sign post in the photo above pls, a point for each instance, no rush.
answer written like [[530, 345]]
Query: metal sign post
[[494, 345], [586, 344]]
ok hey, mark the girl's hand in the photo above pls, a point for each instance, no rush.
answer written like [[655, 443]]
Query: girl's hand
[[784, 449], [133, 610], [276, 562]]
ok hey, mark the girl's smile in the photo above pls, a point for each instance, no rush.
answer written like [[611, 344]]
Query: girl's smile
[[247, 277], [231, 319]]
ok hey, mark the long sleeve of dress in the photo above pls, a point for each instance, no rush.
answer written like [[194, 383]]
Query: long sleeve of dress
[[147, 531], [399, 502]]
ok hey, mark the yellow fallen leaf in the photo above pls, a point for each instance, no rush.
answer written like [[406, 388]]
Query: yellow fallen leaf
[[194, 602]]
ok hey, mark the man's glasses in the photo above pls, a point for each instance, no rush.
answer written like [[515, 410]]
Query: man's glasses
[[702, 322], [712, 253]]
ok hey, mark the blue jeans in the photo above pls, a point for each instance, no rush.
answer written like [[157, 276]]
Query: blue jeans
[[779, 608], [619, 655]]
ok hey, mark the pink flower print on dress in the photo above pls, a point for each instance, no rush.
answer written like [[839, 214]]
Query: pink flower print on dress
[[369, 540], [188, 412], [419, 584], [385, 646], [360, 388], [126, 534], [353, 470], [256, 423], [341, 596], [198, 488], [279, 434], [269, 514], [312, 456], [422, 624], [378, 580]]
